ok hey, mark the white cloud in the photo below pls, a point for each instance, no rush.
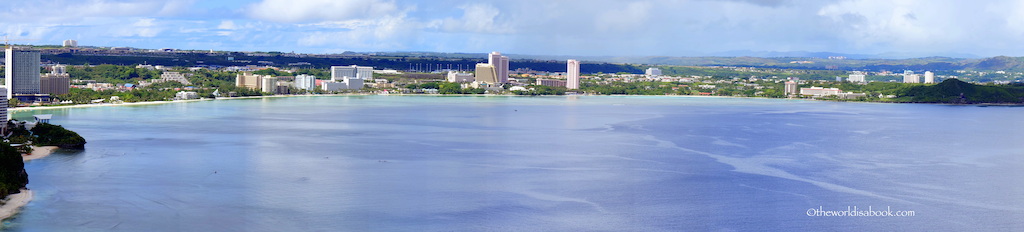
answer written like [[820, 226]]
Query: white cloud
[[144, 27], [297, 11]]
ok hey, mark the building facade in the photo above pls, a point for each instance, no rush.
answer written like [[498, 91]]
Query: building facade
[[361, 72], [500, 65], [3, 109], [792, 88], [551, 82], [249, 80], [929, 77], [22, 72], [910, 77], [653, 71], [856, 76], [268, 84], [486, 73], [572, 80], [71, 43], [305, 82], [819, 91], [460, 77], [54, 84]]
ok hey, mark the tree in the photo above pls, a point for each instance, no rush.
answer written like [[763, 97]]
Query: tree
[[46, 134]]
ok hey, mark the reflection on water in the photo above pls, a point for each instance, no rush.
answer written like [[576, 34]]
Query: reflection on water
[[528, 163]]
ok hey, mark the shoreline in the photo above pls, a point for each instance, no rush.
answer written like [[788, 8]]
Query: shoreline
[[30, 108], [13, 203], [39, 153]]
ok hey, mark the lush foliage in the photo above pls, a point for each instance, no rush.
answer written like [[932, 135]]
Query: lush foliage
[[12, 171], [45, 134], [956, 91]]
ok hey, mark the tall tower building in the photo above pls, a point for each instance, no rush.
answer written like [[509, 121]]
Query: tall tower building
[[572, 74], [929, 77], [22, 72], [500, 64], [485, 73], [792, 87], [910, 77]]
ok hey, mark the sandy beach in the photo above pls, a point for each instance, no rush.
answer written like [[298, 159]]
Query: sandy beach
[[39, 153], [12, 203]]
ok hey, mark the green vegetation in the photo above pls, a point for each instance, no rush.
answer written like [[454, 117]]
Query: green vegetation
[[45, 134], [12, 171], [959, 92]]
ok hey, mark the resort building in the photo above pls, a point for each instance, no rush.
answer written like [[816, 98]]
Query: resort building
[[3, 110], [929, 77], [56, 82], [856, 76], [572, 74], [22, 73], [353, 71], [249, 80], [460, 77], [306, 82], [819, 91], [653, 71], [792, 88], [551, 82], [186, 95], [500, 66], [910, 77], [268, 84], [485, 73]]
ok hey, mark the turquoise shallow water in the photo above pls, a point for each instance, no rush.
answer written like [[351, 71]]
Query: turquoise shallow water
[[424, 163]]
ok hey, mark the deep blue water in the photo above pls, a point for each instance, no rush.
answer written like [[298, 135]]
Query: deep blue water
[[423, 163]]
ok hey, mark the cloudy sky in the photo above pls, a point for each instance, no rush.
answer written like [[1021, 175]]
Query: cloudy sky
[[538, 27]]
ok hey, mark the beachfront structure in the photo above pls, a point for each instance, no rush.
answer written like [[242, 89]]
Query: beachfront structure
[[551, 82], [572, 80], [22, 72], [929, 77], [460, 77], [910, 77], [361, 72], [268, 84], [186, 95], [486, 73], [791, 87], [857, 76], [345, 83], [819, 91], [249, 80], [653, 71], [500, 65], [306, 82]]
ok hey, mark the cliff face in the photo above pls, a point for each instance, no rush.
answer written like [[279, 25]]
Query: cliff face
[[12, 171]]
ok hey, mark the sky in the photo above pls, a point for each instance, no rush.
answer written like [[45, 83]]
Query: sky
[[535, 27]]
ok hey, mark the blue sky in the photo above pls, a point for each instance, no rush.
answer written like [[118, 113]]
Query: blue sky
[[538, 27]]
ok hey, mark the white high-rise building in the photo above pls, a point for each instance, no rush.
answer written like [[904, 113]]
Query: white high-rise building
[[572, 79], [22, 72], [929, 77], [306, 82], [269, 84], [792, 87], [857, 76], [339, 72], [653, 71], [500, 64], [910, 77]]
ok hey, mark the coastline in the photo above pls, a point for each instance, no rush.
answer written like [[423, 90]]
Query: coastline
[[39, 153], [485, 95], [13, 203]]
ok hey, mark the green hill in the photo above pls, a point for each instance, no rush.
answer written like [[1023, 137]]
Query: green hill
[[959, 92]]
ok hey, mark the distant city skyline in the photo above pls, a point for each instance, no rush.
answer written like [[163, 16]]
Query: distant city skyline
[[908, 28]]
